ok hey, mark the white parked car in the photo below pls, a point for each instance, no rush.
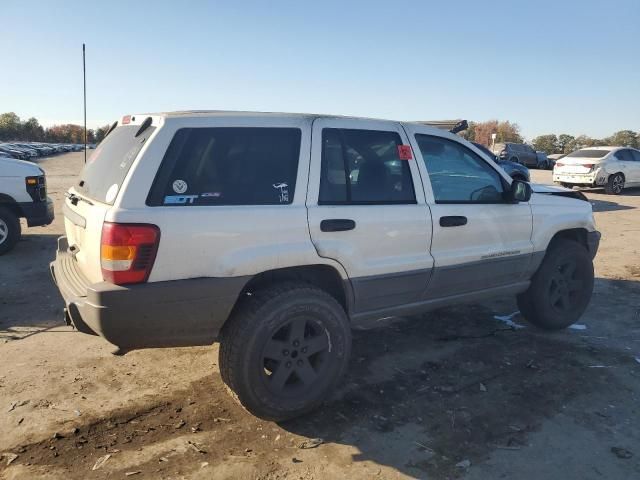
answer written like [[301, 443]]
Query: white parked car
[[23, 194], [613, 168], [273, 233]]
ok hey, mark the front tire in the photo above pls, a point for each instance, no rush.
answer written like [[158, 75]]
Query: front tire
[[561, 288], [284, 350], [9, 230], [615, 184]]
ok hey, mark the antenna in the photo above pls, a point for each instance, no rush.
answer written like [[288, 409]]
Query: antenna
[[84, 80]]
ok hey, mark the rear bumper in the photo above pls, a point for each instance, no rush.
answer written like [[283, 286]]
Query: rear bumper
[[37, 213], [587, 179], [159, 314]]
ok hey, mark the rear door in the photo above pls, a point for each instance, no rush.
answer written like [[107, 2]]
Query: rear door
[[636, 167], [628, 165], [367, 210], [95, 192], [479, 240]]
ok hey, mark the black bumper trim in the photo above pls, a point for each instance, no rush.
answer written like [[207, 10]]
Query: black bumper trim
[[593, 242], [173, 313], [37, 214]]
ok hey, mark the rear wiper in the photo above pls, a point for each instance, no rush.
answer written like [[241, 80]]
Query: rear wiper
[[73, 198]]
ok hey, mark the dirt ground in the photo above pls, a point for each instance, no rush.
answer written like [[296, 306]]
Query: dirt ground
[[455, 393]]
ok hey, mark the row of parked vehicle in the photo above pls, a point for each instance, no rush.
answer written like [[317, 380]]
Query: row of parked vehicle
[[30, 150]]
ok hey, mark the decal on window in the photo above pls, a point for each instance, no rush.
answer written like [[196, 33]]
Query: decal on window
[[180, 186], [404, 152], [284, 191], [179, 199]]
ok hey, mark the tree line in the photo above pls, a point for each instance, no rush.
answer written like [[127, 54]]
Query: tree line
[[550, 143], [12, 128]]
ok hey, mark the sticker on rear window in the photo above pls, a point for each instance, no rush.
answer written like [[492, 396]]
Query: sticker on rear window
[[110, 196], [180, 186], [179, 199], [284, 192]]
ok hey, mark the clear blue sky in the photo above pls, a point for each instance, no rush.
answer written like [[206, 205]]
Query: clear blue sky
[[551, 66]]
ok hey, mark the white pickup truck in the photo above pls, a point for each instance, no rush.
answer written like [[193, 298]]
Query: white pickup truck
[[273, 233], [23, 194]]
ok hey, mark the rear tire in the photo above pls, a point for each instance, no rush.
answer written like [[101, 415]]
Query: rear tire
[[10, 230], [284, 349], [561, 288], [615, 184]]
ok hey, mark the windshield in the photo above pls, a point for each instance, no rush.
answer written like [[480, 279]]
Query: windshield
[[107, 168], [588, 153]]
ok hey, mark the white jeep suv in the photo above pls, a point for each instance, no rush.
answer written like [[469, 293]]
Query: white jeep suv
[[272, 233]]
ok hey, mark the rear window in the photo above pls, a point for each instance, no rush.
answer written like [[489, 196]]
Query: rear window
[[588, 153], [228, 166], [106, 169]]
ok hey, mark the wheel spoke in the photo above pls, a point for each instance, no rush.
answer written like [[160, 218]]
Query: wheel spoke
[[306, 372], [317, 344], [297, 329], [566, 301], [280, 376], [574, 285], [274, 349], [568, 271]]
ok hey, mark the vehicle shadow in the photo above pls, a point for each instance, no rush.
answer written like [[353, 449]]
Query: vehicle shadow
[[29, 301], [606, 206], [426, 393]]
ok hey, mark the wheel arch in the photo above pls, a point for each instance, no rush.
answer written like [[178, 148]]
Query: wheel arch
[[322, 276], [8, 202], [578, 235]]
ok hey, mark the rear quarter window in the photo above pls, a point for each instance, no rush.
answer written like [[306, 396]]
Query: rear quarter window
[[106, 169], [228, 166]]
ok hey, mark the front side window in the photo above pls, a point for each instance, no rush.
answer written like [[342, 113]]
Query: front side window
[[457, 174], [228, 166], [363, 167], [636, 155]]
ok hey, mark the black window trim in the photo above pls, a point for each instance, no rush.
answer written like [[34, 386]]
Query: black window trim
[[505, 186], [346, 170]]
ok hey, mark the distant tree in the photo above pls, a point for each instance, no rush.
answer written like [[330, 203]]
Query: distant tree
[[505, 132], [624, 138], [583, 141], [564, 143], [100, 133], [10, 126], [546, 143], [32, 130]]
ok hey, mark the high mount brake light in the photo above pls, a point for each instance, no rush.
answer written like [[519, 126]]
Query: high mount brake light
[[128, 251]]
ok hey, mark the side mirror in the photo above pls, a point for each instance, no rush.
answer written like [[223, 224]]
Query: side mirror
[[520, 191]]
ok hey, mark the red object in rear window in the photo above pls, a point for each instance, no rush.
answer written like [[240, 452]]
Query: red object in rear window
[[128, 251], [404, 152], [126, 119]]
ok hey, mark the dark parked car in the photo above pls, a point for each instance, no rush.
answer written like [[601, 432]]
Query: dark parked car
[[514, 170], [518, 153]]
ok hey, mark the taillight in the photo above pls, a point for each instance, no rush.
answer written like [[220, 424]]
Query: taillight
[[559, 164], [589, 166], [127, 252]]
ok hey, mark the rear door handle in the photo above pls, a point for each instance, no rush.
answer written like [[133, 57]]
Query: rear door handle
[[337, 225], [453, 221]]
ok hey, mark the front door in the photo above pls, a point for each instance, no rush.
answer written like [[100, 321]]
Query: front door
[[367, 210], [479, 240]]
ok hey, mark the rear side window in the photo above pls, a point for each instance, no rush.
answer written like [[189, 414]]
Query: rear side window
[[228, 166], [106, 169], [363, 167]]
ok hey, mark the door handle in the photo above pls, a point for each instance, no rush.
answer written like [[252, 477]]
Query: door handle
[[337, 225], [453, 221]]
